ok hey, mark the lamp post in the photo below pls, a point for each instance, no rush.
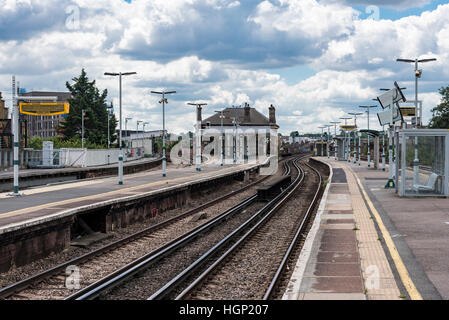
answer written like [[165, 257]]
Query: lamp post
[[126, 130], [110, 110], [222, 136], [336, 142], [355, 114], [120, 157], [328, 126], [345, 141], [137, 131], [369, 151], [163, 101], [143, 135], [322, 128], [198, 133], [418, 119], [83, 112]]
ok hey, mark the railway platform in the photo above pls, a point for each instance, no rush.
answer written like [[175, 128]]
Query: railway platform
[[367, 243], [42, 220]]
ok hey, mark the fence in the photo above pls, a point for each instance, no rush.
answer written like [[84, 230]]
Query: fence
[[68, 157]]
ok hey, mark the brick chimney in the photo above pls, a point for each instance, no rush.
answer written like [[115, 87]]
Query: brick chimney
[[247, 117], [272, 113]]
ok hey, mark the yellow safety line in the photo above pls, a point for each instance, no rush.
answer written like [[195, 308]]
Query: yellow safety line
[[400, 266], [55, 204]]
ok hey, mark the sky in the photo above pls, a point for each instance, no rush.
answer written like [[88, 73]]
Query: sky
[[315, 61]]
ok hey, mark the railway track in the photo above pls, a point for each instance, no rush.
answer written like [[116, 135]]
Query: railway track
[[96, 265], [146, 275], [247, 268]]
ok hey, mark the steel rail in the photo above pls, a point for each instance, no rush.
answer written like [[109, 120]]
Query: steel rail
[[293, 244], [24, 284], [107, 283], [263, 215]]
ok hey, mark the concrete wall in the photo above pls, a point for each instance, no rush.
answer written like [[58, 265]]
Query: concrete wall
[[90, 158]]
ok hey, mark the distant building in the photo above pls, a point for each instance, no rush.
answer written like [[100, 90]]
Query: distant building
[[244, 122], [5, 126], [43, 126]]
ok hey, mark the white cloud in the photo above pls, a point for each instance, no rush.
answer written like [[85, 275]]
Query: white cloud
[[219, 51]]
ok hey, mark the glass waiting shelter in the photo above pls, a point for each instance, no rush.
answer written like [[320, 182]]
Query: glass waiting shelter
[[422, 165]]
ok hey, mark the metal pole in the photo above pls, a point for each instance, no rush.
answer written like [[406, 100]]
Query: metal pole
[[198, 139], [416, 160], [15, 116], [360, 146], [164, 159], [383, 148], [109, 138], [120, 156], [82, 128]]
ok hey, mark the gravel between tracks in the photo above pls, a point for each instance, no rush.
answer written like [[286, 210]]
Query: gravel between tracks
[[94, 270], [19, 273], [247, 275]]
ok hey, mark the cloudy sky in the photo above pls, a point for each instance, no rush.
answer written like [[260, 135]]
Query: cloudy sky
[[314, 60]]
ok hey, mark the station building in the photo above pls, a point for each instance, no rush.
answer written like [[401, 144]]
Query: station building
[[243, 131]]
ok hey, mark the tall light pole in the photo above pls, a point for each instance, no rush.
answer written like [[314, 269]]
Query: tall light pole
[[418, 119], [336, 142], [126, 130], [355, 114], [15, 122], [143, 134], [346, 145], [328, 126], [222, 136], [198, 133], [137, 130], [110, 110], [83, 112], [163, 101], [369, 152], [322, 128], [120, 157]]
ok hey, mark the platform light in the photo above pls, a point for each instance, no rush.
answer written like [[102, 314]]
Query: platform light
[[120, 157]]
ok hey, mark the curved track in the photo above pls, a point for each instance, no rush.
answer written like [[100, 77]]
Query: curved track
[[50, 284], [246, 270], [147, 274]]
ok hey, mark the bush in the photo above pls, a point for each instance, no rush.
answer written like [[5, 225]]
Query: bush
[[58, 143]]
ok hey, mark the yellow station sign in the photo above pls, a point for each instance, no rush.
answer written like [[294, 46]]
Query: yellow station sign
[[408, 111], [44, 109], [348, 127]]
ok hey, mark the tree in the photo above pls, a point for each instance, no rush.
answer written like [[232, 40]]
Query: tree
[[440, 114], [294, 134], [86, 96]]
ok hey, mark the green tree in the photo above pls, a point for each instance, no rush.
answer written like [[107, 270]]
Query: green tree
[[294, 134], [440, 114], [85, 95]]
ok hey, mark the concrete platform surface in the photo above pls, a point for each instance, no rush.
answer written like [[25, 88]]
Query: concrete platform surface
[[38, 204], [343, 257]]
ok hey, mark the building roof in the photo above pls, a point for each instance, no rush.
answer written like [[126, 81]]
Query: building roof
[[62, 96], [255, 118]]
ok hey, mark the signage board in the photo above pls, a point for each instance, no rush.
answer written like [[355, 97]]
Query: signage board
[[44, 109], [348, 127], [408, 111], [394, 95], [385, 116]]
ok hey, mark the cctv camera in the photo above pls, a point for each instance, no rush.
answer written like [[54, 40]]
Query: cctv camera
[[418, 73]]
